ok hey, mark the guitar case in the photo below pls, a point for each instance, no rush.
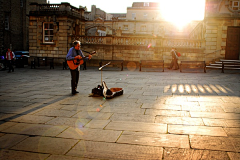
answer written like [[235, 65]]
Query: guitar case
[[102, 90]]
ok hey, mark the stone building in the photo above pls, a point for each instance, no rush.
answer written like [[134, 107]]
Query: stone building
[[97, 13], [220, 30], [52, 29], [14, 17]]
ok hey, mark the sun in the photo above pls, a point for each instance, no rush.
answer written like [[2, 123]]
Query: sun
[[181, 12]]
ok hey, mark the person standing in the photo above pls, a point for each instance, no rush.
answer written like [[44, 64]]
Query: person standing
[[10, 58], [76, 53], [174, 62]]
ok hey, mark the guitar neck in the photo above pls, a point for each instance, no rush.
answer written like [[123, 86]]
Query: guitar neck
[[87, 52]]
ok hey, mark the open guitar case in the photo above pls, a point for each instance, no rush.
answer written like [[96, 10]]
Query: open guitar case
[[103, 90]]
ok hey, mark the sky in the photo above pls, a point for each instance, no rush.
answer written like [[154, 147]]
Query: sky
[[120, 6], [179, 12]]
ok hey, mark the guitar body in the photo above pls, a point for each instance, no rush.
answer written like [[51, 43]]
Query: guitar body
[[73, 64]]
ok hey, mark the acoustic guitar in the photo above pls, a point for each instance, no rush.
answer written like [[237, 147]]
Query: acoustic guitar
[[73, 64]]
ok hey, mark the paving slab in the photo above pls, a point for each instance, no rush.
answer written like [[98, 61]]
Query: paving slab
[[170, 113], [65, 121], [233, 155], [232, 132], [215, 143], [196, 130], [35, 129], [46, 145], [153, 139], [90, 134], [94, 114], [137, 126], [222, 122], [179, 120], [55, 112], [64, 157], [133, 117], [5, 125], [31, 119], [103, 150], [12, 154], [161, 106], [193, 154], [215, 115], [9, 140]]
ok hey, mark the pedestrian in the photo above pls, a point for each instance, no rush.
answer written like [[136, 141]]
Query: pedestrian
[[174, 62], [75, 53], [10, 56]]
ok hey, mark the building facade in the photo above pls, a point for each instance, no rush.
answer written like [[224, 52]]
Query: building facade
[[52, 29], [141, 35], [14, 31], [220, 30]]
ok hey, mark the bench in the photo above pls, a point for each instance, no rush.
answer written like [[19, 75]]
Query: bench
[[113, 62], [151, 64], [193, 65], [230, 65], [42, 60]]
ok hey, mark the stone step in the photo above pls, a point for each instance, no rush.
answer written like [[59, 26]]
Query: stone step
[[228, 60], [214, 67], [214, 64]]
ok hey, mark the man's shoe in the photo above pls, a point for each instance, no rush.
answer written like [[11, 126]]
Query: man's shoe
[[73, 93]]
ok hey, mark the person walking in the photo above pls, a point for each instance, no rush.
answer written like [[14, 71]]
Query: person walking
[[174, 62], [10, 56], [73, 54]]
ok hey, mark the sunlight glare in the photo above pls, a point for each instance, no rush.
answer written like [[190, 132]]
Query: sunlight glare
[[180, 13]]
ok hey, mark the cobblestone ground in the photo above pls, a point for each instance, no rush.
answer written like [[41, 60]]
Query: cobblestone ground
[[161, 115]]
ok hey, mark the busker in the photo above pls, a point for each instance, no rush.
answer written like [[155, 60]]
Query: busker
[[73, 54]]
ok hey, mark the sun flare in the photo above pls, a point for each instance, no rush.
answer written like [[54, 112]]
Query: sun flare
[[180, 13]]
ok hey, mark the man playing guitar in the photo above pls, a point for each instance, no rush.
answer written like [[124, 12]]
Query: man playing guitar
[[74, 54]]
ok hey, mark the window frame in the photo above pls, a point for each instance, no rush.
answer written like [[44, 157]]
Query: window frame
[[125, 27], [145, 15], [6, 22], [133, 16], [49, 35], [21, 3], [146, 4], [233, 5], [143, 28]]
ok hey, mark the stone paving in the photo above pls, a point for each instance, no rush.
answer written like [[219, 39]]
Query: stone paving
[[161, 115]]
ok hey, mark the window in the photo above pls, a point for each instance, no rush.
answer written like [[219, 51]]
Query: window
[[146, 4], [143, 28], [133, 16], [48, 33], [6, 22], [235, 5], [145, 15], [77, 29], [125, 27], [21, 3]]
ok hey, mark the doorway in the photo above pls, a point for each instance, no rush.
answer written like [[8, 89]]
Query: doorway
[[233, 43]]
